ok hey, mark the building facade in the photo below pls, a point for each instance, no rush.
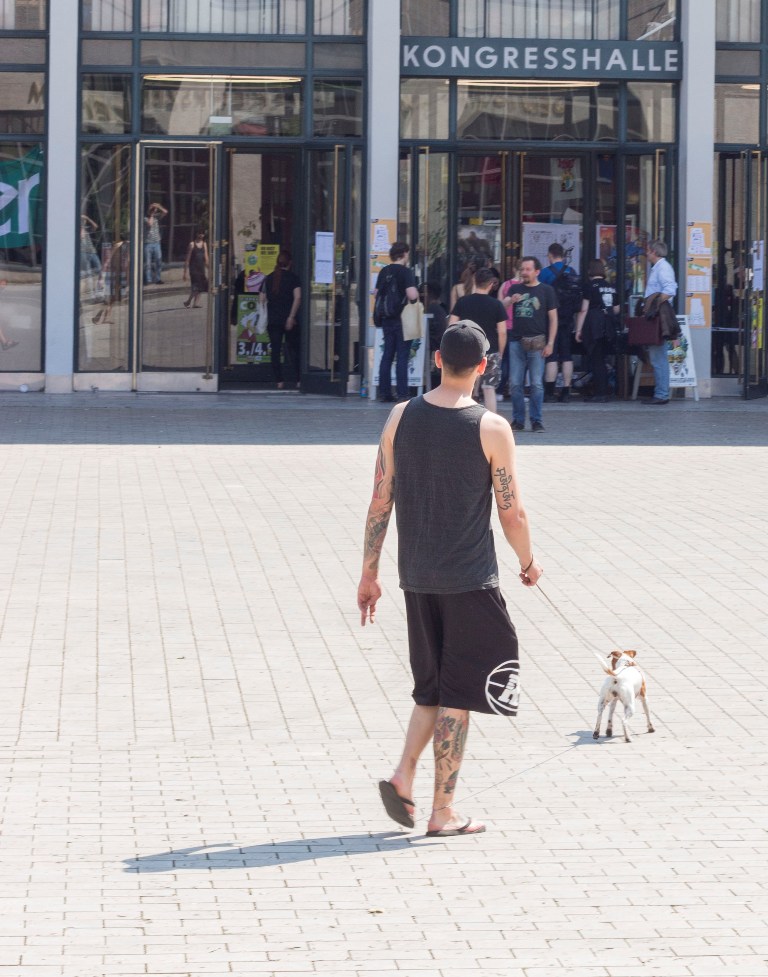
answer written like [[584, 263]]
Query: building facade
[[131, 129]]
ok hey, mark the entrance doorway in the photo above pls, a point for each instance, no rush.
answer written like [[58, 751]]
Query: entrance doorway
[[503, 205], [210, 222], [738, 329], [262, 189]]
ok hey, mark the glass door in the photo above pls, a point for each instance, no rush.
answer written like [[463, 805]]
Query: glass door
[[332, 349], [738, 328], [262, 221], [175, 267]]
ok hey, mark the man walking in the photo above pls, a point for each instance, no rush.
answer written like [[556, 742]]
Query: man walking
[[395, 286], [534, 327], [661, 282], [442, 460], [153, 251], [491, 316]]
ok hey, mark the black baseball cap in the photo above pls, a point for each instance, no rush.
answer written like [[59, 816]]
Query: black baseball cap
[[463, 345]]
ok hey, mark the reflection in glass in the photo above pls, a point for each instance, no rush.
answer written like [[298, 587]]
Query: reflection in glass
[[479, 209], [106, 104], [337, 108], [424, 108], [591, 19], [606, 229], [326, 299], [175, 213], [224, 16], [738, 20], [107, 15], [737, 114], [263, 188], [105, 258], [22, 15], [340, 17], [652, 20], [432, 253], [426, 18], [651, 110], [205, 105], [646, 219], [22, 109], [551, 110], [21, 256]]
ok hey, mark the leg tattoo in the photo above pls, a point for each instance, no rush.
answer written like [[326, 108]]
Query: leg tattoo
[[450, 739]]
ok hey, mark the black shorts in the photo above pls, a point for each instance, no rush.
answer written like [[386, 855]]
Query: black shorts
[[463, 650], [562, 352]]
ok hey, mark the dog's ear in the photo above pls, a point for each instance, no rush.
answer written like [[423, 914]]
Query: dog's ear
[[630, 653], [615, 655]]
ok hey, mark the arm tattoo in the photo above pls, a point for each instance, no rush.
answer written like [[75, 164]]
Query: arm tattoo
[[381, 474], [506, 495], [375, 531]]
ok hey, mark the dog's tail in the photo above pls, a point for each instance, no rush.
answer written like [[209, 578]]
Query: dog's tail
[[608, 671]]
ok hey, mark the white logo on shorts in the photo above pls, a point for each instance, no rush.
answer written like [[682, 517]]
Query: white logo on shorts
[[502, 689]]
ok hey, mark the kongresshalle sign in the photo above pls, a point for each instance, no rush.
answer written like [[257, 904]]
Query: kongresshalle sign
[[515, 58]]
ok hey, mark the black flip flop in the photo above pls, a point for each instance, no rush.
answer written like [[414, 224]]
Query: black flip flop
[[394, 804], [453, 832]]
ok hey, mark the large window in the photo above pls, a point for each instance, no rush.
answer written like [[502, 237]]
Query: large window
[[539, 18], [21, 255], [551, 110], [107, 15], [737, 114], [198, 105], [738, 20], [650, 112], [224, 16], [652, 20], [105, 258], [22, 15]]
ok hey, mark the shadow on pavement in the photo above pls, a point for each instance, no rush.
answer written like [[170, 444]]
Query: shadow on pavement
[[228, 855]]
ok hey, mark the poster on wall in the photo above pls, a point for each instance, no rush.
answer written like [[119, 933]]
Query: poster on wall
[[682, 371], [382, 238], [323, 274], [415, 362], [538, 237], [251, 337], [698, 275]]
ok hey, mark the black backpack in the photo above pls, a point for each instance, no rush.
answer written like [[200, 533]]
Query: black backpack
[[567, 286], [390, 301]]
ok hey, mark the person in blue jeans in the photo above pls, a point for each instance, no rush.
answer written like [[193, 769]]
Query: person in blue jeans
[[153, 251], [395, 344], [534, 327], [661, 280]]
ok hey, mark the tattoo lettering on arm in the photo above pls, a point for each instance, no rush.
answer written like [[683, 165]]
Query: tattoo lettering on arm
[[502, 486]]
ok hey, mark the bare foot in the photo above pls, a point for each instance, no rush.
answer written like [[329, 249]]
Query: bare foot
[[449, 822], [405, 789]]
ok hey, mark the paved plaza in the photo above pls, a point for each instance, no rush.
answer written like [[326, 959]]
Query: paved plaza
[[192, 720]]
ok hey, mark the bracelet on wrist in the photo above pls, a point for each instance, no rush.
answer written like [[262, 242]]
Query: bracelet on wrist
[[526, 569]]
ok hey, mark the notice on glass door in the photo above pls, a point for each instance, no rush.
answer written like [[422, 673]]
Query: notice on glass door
[[324, 258], [698, 275]]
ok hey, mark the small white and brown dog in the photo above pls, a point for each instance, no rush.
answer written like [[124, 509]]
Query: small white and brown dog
[[624, 684]]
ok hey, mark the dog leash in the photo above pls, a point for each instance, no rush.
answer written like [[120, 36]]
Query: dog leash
[[565, 620]]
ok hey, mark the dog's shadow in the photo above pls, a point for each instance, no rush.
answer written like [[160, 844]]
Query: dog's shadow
[[585, 737], [228, 855]]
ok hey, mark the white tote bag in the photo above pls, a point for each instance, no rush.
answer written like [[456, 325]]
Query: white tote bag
[[412, 318]]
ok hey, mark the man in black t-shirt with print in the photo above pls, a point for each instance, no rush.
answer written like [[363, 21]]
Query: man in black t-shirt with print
[[491, 316], [534, 327], [395, 344]]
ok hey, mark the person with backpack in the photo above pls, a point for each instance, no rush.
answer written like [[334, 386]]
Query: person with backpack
[[596, 326], [395, 286], [567, 286]]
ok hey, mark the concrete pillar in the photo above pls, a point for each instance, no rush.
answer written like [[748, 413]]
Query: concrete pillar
[[62, 207], [697, 158], [383, 113]]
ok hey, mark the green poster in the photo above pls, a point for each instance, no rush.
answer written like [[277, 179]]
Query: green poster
[[21, 192]]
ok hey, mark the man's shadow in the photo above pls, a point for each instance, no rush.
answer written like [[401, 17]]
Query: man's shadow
[[228, 854]]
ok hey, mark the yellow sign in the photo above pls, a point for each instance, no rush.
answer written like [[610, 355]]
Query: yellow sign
[[383, 236], [698, 274]]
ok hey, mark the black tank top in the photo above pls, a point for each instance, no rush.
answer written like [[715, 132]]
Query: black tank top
[[443, 498]]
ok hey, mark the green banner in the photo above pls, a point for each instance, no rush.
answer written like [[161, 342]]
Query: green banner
[[21, 193]]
